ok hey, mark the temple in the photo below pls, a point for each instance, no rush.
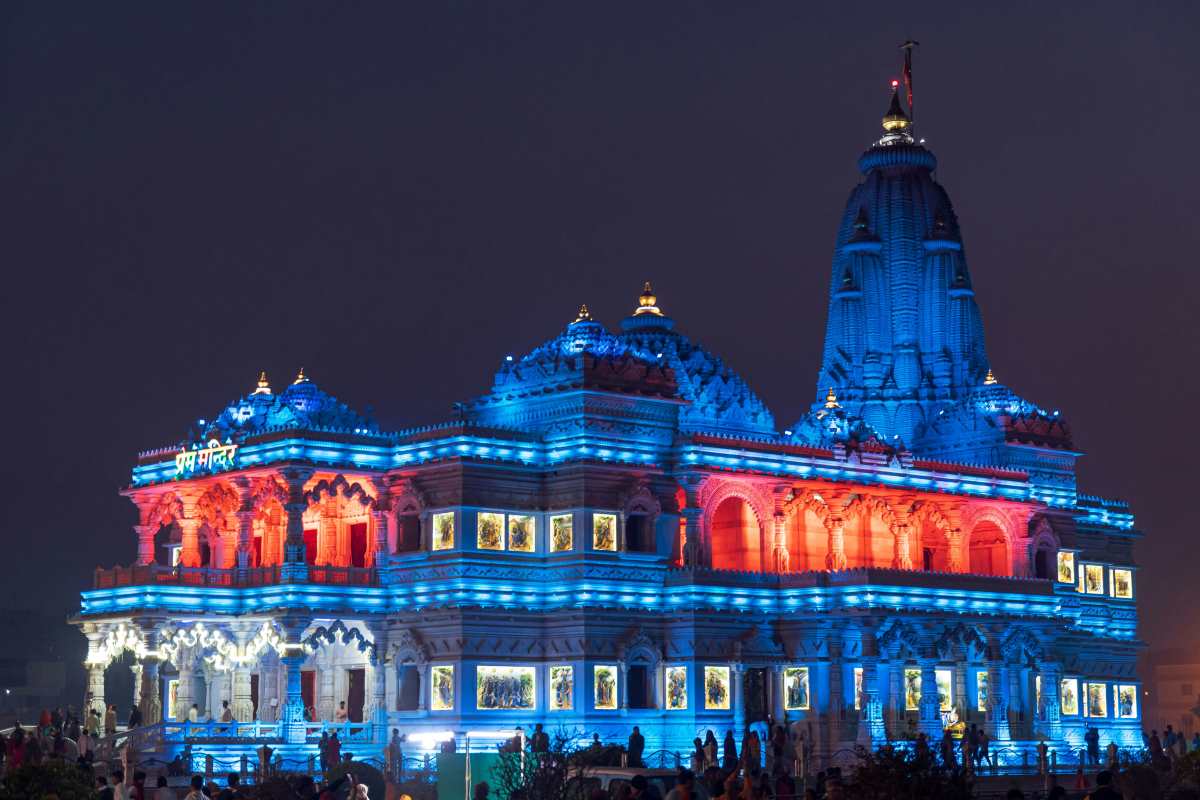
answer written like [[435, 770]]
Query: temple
[[618, 532]]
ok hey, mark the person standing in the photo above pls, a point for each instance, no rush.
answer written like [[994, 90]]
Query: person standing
[[110, 721], [162, 791], [194, 713], [340, 716], [226, 712], [729, 756], [1092, 739], [637, 745], [710, 749], [540, 741], [135, 717], [197, 790], [984, 753]]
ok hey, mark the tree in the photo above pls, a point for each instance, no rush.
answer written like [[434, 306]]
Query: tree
[[891, 774], [53, 778], [552, 775]]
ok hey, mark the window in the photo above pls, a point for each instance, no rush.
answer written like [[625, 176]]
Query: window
[[443, 530], [1126, 701], [1096, 700], [521, 530], [795, 689], [489, 531], [639, 687], [1093, 578], [912, 689], [1066, 566], [604, 687], [944, 684], [562, 687], [676, 689], [499, 688], [442, 687], [604, 532], [1069, 696], [716, 688], [561, 533], [981, 690], [639, 536], [1122, 583], [858, 688]]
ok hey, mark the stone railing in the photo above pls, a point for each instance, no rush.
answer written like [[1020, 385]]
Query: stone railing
[[154, 574]]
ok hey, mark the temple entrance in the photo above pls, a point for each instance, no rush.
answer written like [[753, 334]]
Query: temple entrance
[[755, 683], [356, 691], [736, 538], [118, 685]]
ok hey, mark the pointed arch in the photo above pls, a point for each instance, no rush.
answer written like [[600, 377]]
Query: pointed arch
[[735, 523]]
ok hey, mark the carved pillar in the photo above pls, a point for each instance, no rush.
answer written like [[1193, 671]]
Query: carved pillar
[[149, 701], [293, 707], [294, 569], [244, 557], [325, 676], [623, 689], [694, 554], [189, 555], [379, 712], [1051, 699], [380, 516], [423, 702], [871, 730], [836, 559], [777, 704], [736, 674], [242, 704], [185, 688], [145, 534], [902, 532], [95, 663], [837, 699], [955, 561], [136, 669], [779, 553], [211, 707], [930, 721], [998, 701]]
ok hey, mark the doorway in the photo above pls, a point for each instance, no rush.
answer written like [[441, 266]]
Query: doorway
[[356, 693], [308, 692], [754, 693]]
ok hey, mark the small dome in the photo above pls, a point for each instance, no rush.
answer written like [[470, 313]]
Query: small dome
[[302, 405]]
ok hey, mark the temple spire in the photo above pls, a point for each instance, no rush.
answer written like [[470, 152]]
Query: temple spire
[[647, 302], [300, 377], [896, 125], [990, 379], [263, 386], [584, 315]]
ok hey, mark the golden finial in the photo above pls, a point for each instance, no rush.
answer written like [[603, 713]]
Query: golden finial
[[831, 399], [300, 377], [647, 302], [584, 314], [895, 121], [263, 386], [990, 379]]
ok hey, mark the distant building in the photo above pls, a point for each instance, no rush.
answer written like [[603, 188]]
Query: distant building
[[1172, 694], [618, 533]]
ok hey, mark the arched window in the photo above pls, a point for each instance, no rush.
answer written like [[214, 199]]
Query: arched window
[[408, 695], [935, 549], [736, 537], [1042, 561]]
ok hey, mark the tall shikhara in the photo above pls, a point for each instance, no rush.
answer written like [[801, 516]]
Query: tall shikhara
[[904, 336]]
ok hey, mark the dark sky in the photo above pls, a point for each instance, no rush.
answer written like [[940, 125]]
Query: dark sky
[[396, 195]]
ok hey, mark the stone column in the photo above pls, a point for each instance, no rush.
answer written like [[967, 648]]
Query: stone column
[[136, 669], [871, 730], [660, 685], [329, 539], [779, 553], [955, 561], [694, 554], [736, 675], [294, 569], [149, 700], [211, 707], [189, 555], [184, 692], [930, 719], [623, 689], [95, 663], [379, 522], [293, 707], [244, 560], [902, 532], [1051, 699], [325, 687], [423, 702], [836, 559], [777, 704], [145, 534], [997, 711], [837, 700], [379, 712]]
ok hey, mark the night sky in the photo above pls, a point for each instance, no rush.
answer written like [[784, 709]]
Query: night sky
[[397, 195]]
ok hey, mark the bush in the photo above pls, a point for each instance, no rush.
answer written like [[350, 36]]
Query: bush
[[52, 779], [889, 774]]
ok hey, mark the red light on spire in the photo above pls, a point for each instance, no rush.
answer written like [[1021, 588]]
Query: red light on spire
[[895, 83]]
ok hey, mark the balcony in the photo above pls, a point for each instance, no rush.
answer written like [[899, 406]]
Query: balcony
[[156, 574]]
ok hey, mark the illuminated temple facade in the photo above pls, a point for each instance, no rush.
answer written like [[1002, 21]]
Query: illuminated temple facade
[[618, 532]]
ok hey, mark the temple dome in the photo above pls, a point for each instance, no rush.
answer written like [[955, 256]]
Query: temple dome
[[719, 400], [301, 406]]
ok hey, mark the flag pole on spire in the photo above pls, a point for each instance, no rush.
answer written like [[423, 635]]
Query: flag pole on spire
[[907, 47]]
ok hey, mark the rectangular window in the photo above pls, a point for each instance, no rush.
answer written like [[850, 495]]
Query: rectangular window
[[676, 678], [562, 687], [499, 688], [604, 532], [443, 530], [858, 688], [604, 687], [1079, 583], [981, 690], [1037, 695], [716, 688], [562, 537], [1126, 701], [1122, 583], [521, 530], [944, 684], [1097, 700], [1068, 701], [795, 689], [441, 687], [912, 689], [1093, 578], [1066, 566], [489, 531]]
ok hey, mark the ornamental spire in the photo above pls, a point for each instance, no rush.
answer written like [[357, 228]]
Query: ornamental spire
[[584, 315], [990, 378], [300, 377], [647, 302], [896, 125], [263, 386], [831, 401]]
